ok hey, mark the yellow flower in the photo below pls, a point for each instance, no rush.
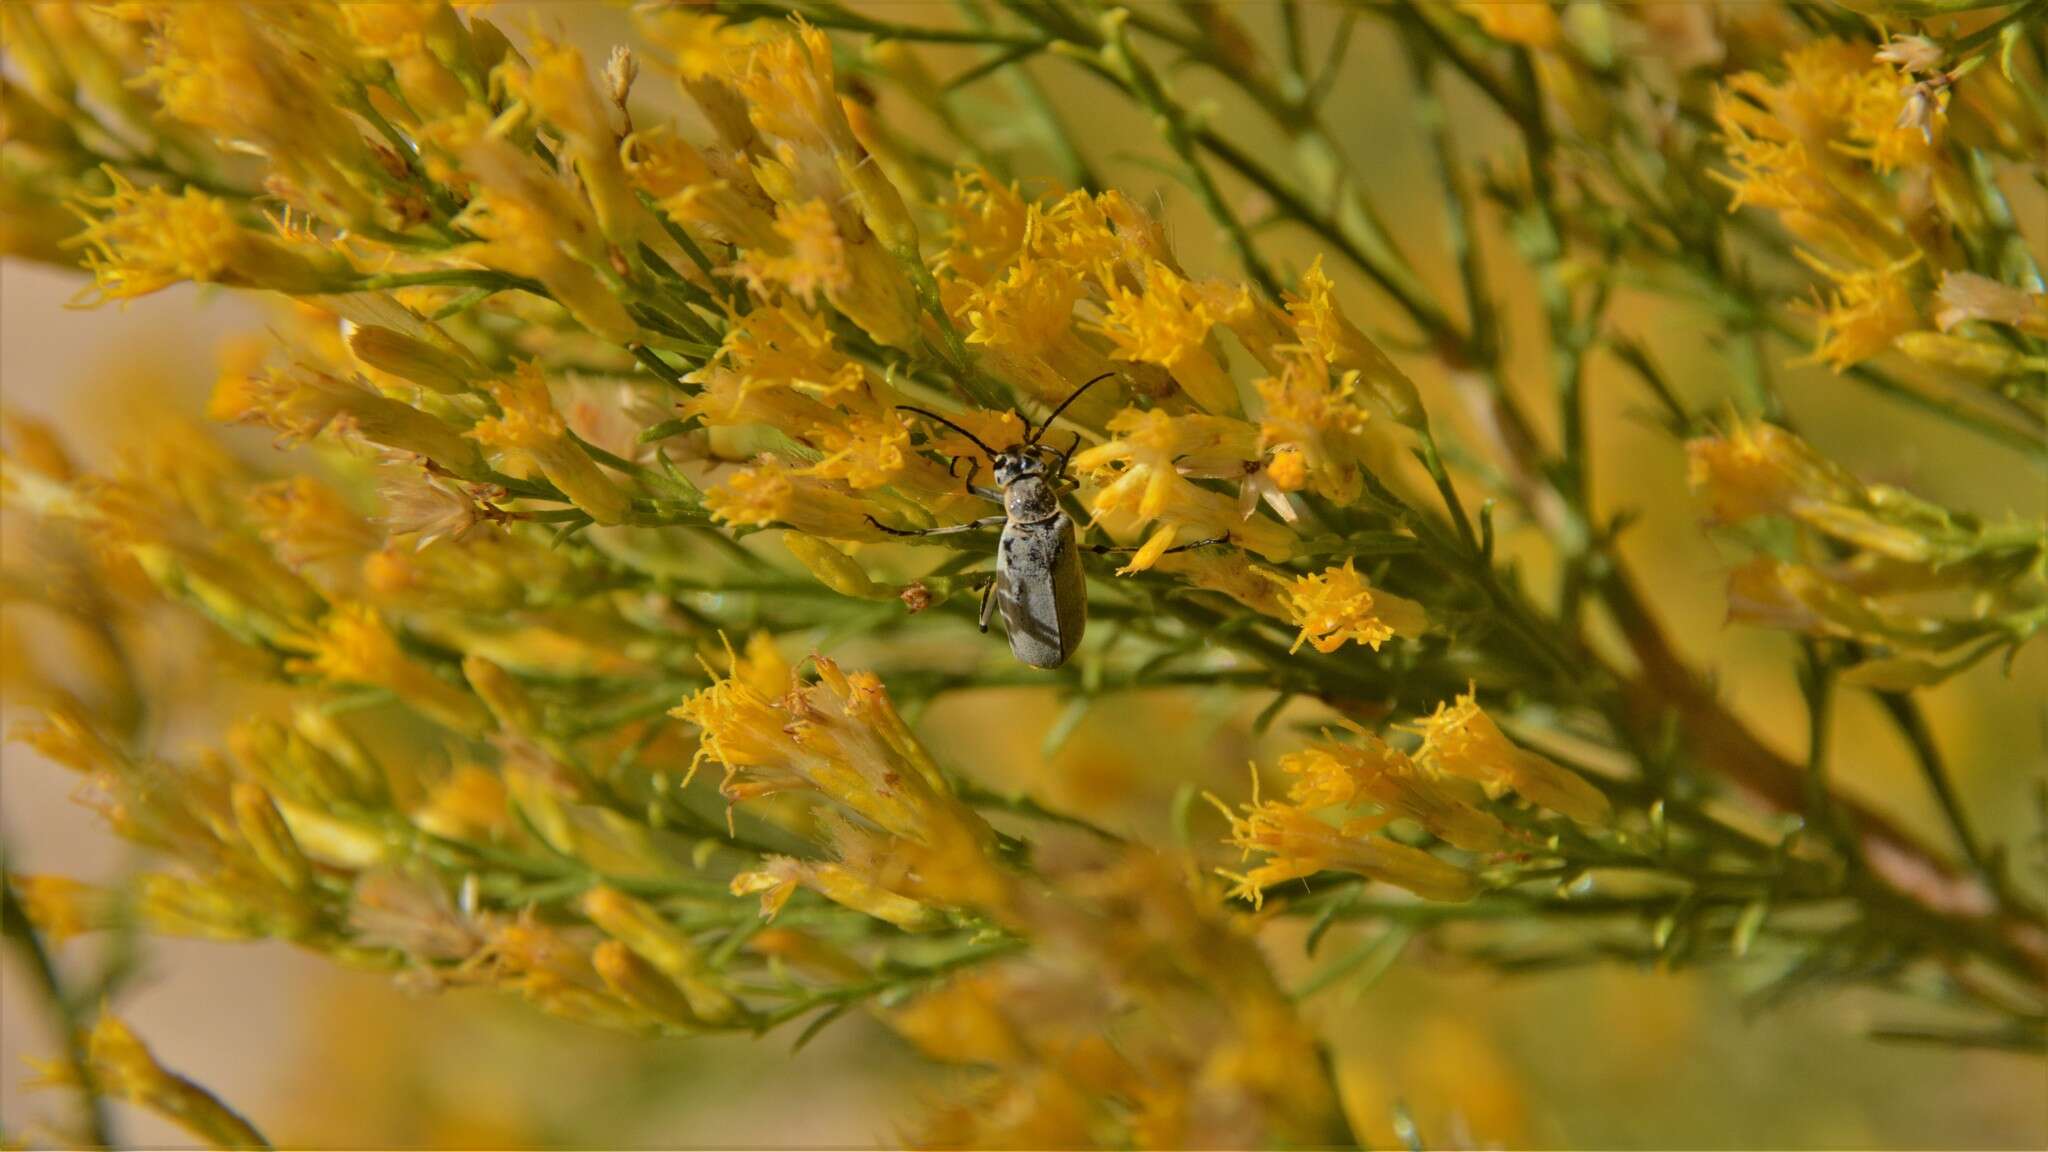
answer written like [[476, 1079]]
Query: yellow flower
[[1868, 309], [309, 527], [1027, 309], [123, 1067], [793, 99], [1141, 473], [865, 451], [529, 224], [527, 424], [1313, 429], [780, 876], [1321, 327], [1297, 844], [808, 256], [1338, 605], [1793, 144], [660, 943], [1759, 469], [1531, 23], [838, 736], [708, 191], [1460, 740], [355, 646], [1367, 769], [771, 492], [986, 227], [221, 67], [142, 240], [414, 37], [61, 907], [300, 401], [1232, 574], [558, 87], [1167, 324]]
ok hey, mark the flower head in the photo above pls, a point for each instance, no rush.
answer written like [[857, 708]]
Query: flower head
[[528, 426], [1338, 605], [1461, 740], [142, 240], [1297, 843]]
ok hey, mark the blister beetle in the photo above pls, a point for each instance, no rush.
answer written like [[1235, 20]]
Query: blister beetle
[[1038, 582]]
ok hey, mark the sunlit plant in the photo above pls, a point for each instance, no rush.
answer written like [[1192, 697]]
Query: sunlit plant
[[573, 645]]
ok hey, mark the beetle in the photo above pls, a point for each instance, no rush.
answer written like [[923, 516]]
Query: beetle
[[1038, 583]]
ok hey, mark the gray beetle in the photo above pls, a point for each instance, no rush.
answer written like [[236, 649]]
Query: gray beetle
[[1038, 581]]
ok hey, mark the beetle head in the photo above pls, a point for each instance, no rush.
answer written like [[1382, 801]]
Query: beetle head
[[1017, 463]]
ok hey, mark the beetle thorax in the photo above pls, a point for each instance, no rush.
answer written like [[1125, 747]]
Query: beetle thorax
[[1030, 499]]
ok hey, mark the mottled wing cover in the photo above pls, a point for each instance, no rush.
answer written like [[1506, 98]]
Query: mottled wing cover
[[1041, 592]]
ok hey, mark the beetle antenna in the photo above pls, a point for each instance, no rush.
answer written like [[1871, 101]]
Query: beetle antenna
[[1071, 397], [948, 423]]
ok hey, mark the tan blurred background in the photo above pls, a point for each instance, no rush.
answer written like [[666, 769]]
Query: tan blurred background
[[321, 1056]]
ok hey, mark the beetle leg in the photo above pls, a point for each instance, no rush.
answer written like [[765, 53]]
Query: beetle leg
[[973, 469], [1125, 549], [970, 526], [988, 601], [1067, 455]]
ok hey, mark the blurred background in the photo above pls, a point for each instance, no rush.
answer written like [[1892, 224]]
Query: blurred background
[[1610, 1058]]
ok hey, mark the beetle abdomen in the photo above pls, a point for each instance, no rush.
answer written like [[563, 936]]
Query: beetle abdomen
[[1040, 591]]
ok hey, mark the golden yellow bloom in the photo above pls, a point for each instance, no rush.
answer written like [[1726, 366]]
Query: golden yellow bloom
[[61, 907], [794, 100], [529, 224], [780, 876], [122, 1067], [1338, 605], [987, 223], [446, 367], [142, 240], [1027, 309], [660, 943], [419, 39], [1759, 469], [558, 87], [355, 646], [1866, 311], [707, 191], [838, 736], [1232, 574], [1168, 324], [771, 492], [1531, 23], [1312, 426], [833, 568], [1460, 740], [528, 425], [1297, 844], [264, 830], [1141, 476], [1366, 769], [1762, 470], [1353, 359], [312, 531], [300, 401], [222, 68]]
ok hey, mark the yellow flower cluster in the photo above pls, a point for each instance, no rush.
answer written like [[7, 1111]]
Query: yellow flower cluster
[[1342, 792], [1848, 149], [1892, 572], [914, 846], [1140, 1019]]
